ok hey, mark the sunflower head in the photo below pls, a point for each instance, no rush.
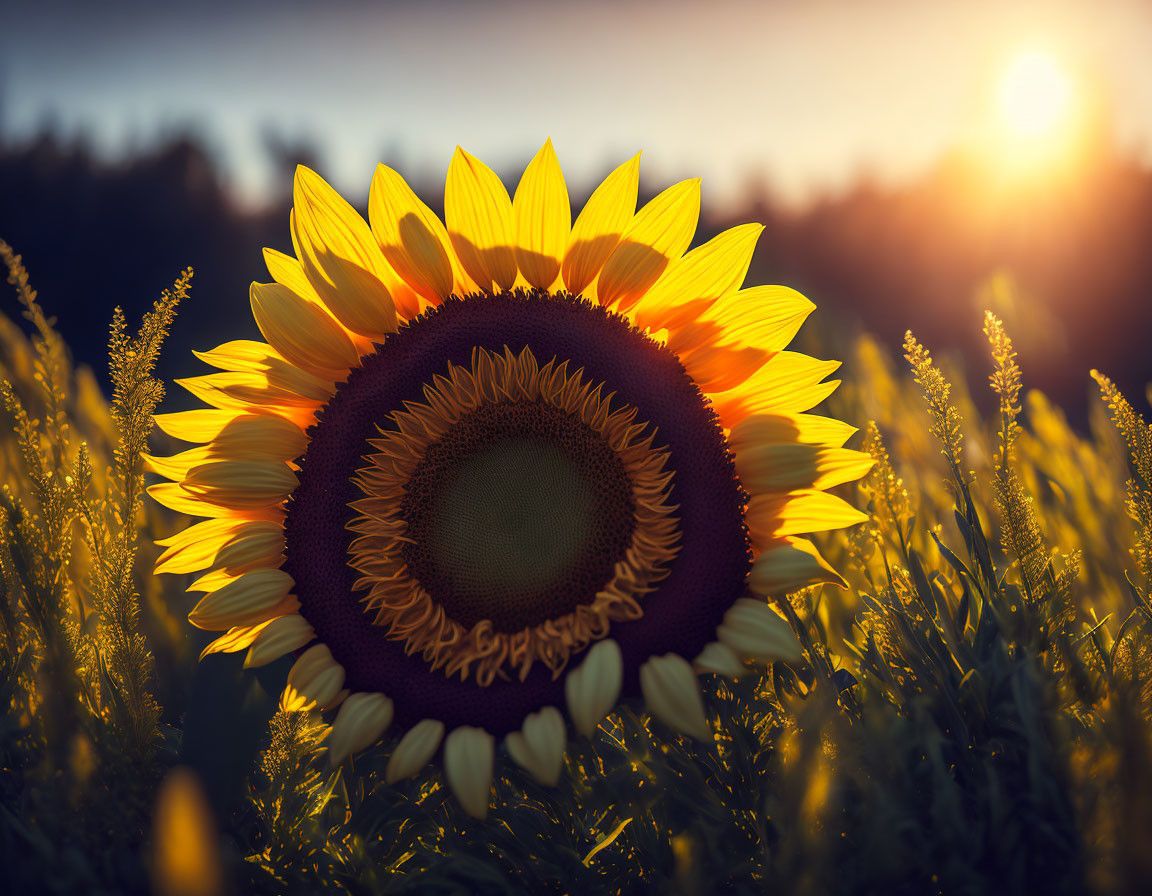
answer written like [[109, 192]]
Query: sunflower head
[[489, 475]]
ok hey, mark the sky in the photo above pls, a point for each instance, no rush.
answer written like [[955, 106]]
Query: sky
[[806, 97]]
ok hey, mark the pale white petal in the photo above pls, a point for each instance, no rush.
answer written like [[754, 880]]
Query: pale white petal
[[720, 659], [414, 750], [538, 747], [314, 681], [468, 767], [672, 694], [593, 688], [755, 631], [362, 718]]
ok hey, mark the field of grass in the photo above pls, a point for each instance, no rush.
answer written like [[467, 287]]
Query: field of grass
[[973, 714]]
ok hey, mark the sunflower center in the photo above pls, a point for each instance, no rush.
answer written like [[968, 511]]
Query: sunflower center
[[413, 596], [517, 515]]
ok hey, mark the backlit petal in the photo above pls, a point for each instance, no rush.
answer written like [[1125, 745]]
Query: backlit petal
[[694, 282], [235, 639], [796, 513], [174, 496], [784, 467], [412, 237], [287, 270], [302, 331], [478, 213], [199, 425], [278, 638], [763, 316], [314, 681], [241, 483], [246, 600], [260, 437], [790, 382], [657, 236], [597, 230], [788, 565], [805, 429], [543, 219], [223, 544], [340, 257]]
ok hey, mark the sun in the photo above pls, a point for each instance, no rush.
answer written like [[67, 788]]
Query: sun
[[1035, 96]]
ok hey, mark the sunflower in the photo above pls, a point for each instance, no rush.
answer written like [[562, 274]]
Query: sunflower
[[490, 475]]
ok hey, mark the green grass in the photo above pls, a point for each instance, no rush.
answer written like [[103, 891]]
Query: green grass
[[972, 714]]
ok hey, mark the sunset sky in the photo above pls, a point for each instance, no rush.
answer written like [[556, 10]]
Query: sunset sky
[[806, 96]]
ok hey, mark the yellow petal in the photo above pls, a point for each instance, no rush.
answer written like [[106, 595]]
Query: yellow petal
[[672, 694], [259, 437], [414, 750], [538, 747], [656, 237], [697, 280], [468, 754], [174, 496], [178, 465], [227, 543], [543, 218], [287, 271], [752, 629], [790, 382], [199, 425], [248, 391], [789, 565], [275, 381], [598, 228], [303, 332], [249, 599], [478, 213], [259, 358], [241, 484], [719, 659], [314, 680], [340, 257], [242, 437], [278, 638], [362, 718], [766, 317], [593, 688], [799, 512], [412, 238], [805, 429], [784, 467], [235, 640], [242, 354], [213, 580], [719, 368]]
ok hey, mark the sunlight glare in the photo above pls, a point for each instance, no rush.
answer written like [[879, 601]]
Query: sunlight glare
[[1035, 95]]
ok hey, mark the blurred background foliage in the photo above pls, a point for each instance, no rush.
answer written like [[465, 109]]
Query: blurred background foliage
[[973, 715]]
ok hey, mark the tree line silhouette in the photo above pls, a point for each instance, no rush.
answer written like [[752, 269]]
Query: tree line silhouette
[[1076, 255]]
